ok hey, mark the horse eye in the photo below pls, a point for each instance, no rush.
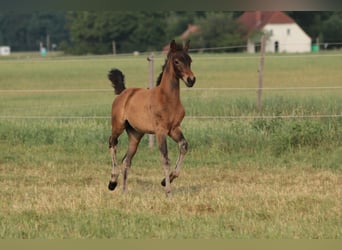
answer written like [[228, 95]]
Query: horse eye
[[176, 62]]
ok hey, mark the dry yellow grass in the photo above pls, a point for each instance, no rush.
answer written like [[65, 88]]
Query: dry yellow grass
[[294, 202]]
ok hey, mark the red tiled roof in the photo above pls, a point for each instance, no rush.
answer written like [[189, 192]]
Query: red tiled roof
[[255, 20]]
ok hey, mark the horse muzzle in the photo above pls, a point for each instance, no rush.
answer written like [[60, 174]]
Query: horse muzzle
[[190, 81]]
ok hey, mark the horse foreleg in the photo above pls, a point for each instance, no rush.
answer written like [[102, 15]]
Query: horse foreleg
[[165, 162], [183, 148], [178, 137], [115, 171]]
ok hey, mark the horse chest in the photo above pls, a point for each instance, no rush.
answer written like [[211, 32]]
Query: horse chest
[[169, 115]]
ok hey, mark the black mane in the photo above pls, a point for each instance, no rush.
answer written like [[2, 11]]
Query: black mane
[[161, 74]]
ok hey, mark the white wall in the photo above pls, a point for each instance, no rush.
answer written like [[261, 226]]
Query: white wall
[[290, 38], [5, 50]]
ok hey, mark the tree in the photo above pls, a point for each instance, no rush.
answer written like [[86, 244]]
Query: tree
[[149, 33], [217, 29], [83, 32], [311, 21], [93, 32], [13, 31], [331, 28], [24, 31], [322, 25], [87, 32]]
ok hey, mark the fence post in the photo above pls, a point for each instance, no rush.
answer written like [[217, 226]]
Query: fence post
[[47, 42], [114, 47], [261, 70], [150, 60]]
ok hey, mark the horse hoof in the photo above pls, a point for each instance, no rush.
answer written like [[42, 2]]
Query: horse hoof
[[163, 183], [112, 185]]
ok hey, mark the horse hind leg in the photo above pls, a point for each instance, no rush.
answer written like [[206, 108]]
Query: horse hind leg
[[165, 162], [134, 138], [113, 141]]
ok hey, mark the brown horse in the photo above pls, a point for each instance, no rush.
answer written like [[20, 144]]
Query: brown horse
[[156, 111]]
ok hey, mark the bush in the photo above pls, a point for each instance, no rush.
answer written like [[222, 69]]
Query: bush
[[297, 134]]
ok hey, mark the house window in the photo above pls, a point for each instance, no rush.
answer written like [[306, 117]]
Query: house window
[[288, 32]]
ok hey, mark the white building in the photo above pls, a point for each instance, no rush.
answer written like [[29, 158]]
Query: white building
[[283, 33], [5, 50]]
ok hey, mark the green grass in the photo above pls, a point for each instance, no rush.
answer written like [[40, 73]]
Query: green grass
[[243, 177]]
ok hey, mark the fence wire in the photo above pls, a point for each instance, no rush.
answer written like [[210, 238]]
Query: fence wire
[[27, 91], [159, 57], [205, 117]]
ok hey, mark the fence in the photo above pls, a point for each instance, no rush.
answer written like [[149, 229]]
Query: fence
[[151, 59]]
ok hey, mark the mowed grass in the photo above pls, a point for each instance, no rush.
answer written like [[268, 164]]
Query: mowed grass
[[208, 202], [243, 177]]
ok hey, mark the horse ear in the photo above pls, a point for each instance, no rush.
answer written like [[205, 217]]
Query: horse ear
[[173, 46], [186, 46]]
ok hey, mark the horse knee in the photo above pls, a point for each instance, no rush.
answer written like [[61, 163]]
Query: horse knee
[[183, 146], [112, 141]]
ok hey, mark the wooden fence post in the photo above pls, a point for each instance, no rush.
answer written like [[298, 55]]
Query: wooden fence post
[[150, 60], [261, 71], [48, 42], [114, 47]]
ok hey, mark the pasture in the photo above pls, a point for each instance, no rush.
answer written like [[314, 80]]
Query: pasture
[[275, 174]]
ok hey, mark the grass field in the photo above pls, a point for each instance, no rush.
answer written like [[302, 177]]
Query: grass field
[[275, 174]]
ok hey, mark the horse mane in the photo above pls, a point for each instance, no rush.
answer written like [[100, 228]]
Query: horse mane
[[179, 47], [161, 74]]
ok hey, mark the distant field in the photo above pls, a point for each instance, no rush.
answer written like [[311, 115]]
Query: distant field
[[275, 174]]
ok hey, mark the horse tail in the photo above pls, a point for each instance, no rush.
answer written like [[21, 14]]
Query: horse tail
[[118, 80]]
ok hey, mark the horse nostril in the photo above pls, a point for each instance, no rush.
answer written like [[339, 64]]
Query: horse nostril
[[191, 80]]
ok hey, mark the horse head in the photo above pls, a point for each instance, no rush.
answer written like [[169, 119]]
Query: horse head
[[181, 62]]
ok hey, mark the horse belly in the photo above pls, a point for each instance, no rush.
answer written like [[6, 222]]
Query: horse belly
[[138, 114], [141, 123]]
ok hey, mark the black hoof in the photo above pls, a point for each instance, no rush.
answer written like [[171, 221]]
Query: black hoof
[[112, 185], [163, 182]]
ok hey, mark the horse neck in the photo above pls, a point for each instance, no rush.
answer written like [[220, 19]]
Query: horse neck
[[170, 82]]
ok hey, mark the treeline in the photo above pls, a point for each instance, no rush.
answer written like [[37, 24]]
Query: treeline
[[25, 31], [82, 32]]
